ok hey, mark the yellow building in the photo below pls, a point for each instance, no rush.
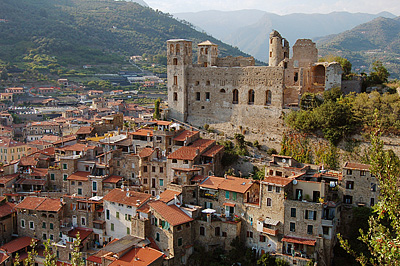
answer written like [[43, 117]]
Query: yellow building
[[11, 150]]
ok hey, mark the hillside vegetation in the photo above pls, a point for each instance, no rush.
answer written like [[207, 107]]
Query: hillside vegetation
[[79, 32]]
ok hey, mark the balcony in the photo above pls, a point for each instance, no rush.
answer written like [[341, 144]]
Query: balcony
[[269, 231], [327, 222]]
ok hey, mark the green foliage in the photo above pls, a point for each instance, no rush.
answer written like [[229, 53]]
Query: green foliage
[[50, 258], [296, 146], [76, 258], [156, 114], [240, 147], [378, 75], [271, 151], [258, 174], [256, 144], [326, 155], [344, 63], [309, 101], [268, 260]]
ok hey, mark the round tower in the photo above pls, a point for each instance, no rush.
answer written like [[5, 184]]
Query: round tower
[[278, 48]]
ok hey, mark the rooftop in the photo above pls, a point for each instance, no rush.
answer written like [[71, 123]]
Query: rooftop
[[40, 204], [79, 176], [138, 257], [185, 134], [171, 213], [131, 198], [357, 166], [17, 244], [229, 183], [168, 195]]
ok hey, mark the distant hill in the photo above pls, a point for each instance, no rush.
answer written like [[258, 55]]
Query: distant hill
[[378, 39], [249, 29], [79, 32], [140, 2]]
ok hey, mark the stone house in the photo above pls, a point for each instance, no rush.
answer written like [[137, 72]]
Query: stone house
[[8, 220], [153, 171], [36, 130], [7, 183]]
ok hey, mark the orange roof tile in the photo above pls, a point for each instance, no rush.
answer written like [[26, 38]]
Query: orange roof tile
[[144, 208], [17, 244], [146, 152], [79, 176], [40, 204], [168, 195], [7, 142], [142, 132], [28, 161], [83, 232], [3, 257], [6, 209], [84, 130], [357, 166], [186, 169], [162, 123], [277, 180], [7, 178], [213, 151], [185, 134], [184, 153], [202, 144], [120, 196], [113, 179], [64, 139], [138, 257], [40, 172], [296, 240], [77, 147], [171, 213], [230, 183]]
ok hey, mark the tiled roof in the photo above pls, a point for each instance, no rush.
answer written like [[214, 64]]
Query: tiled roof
[[297, 240], [28, 161], [162, 123], [7, 142], [213, 151], [40, 172], [28, 181], [40, 204], [144, 208], [184, 153], [113, 179], [198, 178], [185, 134], [186, 169], [357, 166], [120, 196], [171, 213], [50, 138], [146, 152], [142, 132], [44, 123], [3, 257], [202, 144], [229, 183], [6, 208], [77, 147], [138, 257], [79, 176], [277, 180], [17, 244], [168, 195], [7, 178], [84, 130], [83, 233], [64, 139]]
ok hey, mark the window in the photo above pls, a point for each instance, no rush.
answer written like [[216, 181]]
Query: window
[[153, 169], [112, 227], [175, 61], [262, 238], [278, 189], [83, 220], [161, 182], [234, 195], [175, 80], [227, 194], [362, 173], [310, 229], [296, 77], [108, 214], [293, 212], [249, 234], [51, 237], [128, 231], [145, 181], [292, 227], [51, 226], [310, 215], [161, 169], [349, 172], [180, 241], [372, 202], [179, 228], [197, 83], [198, 97], [174, 161], [373, 187], [268, 97], [217, 231], [325, 230], [157, 236], [52, 177], [44, 237], [251, 97], [350, 184], [224, 234], [43, 225], [31, 225], [269, 188], [208, 83], [23, 223], [145, 169], [72, 183], [222, 90], [65, 166], [65, 176], [117, 215], [185, 162], [235, 96], [269, 202], [79, 191], [175, 96], [207, 96], [202, 231], [94, 186]]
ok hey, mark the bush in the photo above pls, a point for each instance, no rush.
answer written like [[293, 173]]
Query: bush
[[271, 151]]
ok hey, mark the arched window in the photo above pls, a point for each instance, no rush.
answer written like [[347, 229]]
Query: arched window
[[178, 50], [175, 96], [201, 50], [171, 49], [251, 97], [268, 97], [269, 202], [222, 90], [206, 50], [175, 61], [235, 99]]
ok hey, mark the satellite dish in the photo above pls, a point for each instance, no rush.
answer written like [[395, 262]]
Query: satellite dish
[[295, 182], [283, 160]]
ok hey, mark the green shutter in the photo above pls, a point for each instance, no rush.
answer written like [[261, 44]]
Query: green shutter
[[227, 194]]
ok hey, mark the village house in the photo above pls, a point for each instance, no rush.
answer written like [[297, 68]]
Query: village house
[[17, 90], [36, 130], [11, 150]]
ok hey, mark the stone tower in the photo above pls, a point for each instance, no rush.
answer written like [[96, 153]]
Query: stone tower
[[207, 54], [179, 56], [278, 48]]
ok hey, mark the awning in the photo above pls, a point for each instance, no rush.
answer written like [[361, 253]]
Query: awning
[[296, 240], [271, 221], [229, 204]]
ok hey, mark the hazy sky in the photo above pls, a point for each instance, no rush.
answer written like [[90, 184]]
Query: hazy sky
[[279, 6]]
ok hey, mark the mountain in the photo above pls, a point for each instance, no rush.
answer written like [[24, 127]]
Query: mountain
[[249, 29], [140, 2], [79, 32], [378, 39]]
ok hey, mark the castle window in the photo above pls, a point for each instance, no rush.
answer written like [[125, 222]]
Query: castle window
[[175, 80], [251, 97], [175, 96], [206, 50], [178, 50], [235, 99], [296, 77], [175, 62], [171, 49], [208, 83], [201, 50], [197, 83], [270, 54], [207, 96], [198, 96], [222, 90], [268, 96]]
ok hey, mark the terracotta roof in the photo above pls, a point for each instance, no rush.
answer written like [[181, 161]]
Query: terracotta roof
[[64, 139], [95, 259], [213, 151], [28, 181], [168, 195], [144, 208], [171, 213], [44, 123], [198, 178], [229, 183], [79, 176], [50, 138], [138, 257], [6, 208], [277, 180], [84, 130], [146, 152], [39, 142], [186, 169], [113, 179], [185, 134], [40, 172], [40, 204], [357, 166], [7, 142], [28, 161], [3, 257], [296, 240], [77, 147], [184, 153], [17, 244], [162, 123], [83, 233], [120, 196], [7, 178], [142, 132], [202, 144]]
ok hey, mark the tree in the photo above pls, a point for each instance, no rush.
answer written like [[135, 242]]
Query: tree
[[156, 114], [379, 73], [344, 63], [383, 234], [76, 258], [50, 257]]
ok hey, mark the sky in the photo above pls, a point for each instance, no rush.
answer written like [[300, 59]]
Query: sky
[[280, 7]]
